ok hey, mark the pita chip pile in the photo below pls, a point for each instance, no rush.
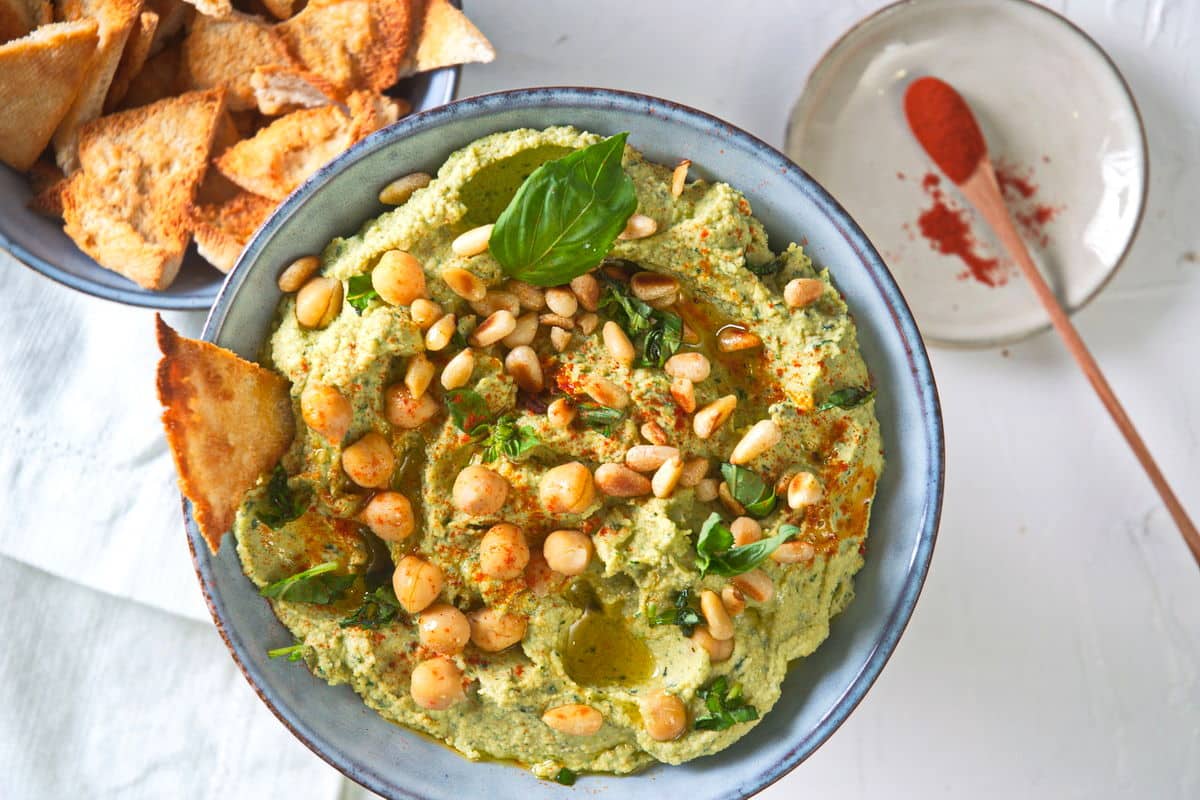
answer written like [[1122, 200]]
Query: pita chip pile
[[149, 124]]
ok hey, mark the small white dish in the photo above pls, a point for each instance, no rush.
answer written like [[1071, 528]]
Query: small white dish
[[1058, 117]]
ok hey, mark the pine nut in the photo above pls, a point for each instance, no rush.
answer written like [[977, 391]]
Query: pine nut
[[664, 302], [574, 720], [717, 650], [653, 433], [693, 366], [494, 328], [529, 296], [755, 584], [557, 321], [679, 177], [560, 413], [465, 284], [728, 500], [319, 302], [762, 436], [297, 273], [495, 300], [561, 339], [606, 393], [562, 301], [731, 339], [440, 333], [649, 457], [714, 415], [800, 292], [424, 312], [588, 323], [684, 392], [666, 478], [694, 470], [457, 372], [418, 375], [706, 490], [524, 332], [587, 291], [473, 242], [618, 344], [639, 226], [793, 553], [720, 626], [745, 531], [647, 286], [618, 480], [523, 365], [398, 191], [803, 490], [733, 599]]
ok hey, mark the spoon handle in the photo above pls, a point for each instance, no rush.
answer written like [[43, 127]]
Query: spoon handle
[[983, 191]]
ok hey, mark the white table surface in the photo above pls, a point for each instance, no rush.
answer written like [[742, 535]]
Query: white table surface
[[1055, 651]]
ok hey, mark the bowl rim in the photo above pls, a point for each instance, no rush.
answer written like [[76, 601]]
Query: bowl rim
[[198, 300], [899, 7], [920, 370]]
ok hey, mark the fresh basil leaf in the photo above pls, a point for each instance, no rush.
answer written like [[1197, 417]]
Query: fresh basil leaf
[[315, 585], [767, 268], [755, 494], [599, 418], [716, 555], [849, 397], [293, 653], [359, 292], [657, 334], [281, 504], [663, 340], [633, 315], [566, 215], [378, 608], [565, 776], [507, 438], [725, 704], [683, 613], [468, 409], [714, 538]]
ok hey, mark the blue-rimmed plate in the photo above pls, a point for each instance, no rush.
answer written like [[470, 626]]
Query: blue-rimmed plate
[[821, 690]]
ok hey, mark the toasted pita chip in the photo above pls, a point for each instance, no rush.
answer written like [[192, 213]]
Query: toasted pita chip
[[213, 8], [278, 90], [224, 52], [221, 231], [369, 112], [40, 75], [172, 16], [137, 50], [17, 18], [448, 38], [47, 182], [158, 78], [127, 206], [228, 422], [116, 19], [280, 9], [354, 44], [216, 189]]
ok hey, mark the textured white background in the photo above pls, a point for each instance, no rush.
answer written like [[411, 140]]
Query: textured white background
[[1055, 651]]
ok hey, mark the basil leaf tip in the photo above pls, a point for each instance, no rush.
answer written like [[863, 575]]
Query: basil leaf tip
[[315, 585], [281, 504], [360, 291], [847, 398], [749, 489], [566, 215], [726, 706], [717, 555]]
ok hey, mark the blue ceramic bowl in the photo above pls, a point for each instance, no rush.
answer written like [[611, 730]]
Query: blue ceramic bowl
[[39, 242], [822, 689]]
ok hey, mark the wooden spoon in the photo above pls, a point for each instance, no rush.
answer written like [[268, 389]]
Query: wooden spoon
[[951, 137]]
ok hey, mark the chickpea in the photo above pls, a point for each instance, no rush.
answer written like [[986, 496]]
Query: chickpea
[[318, 302], [567, 489], [568, 552], [399, 278], [503, 552], [417, 583], [478, 491], [370, 462], [389, 515], [574, 719], [444, 629], [436, 684], [326, 411], [540, 579], [664, 714], [405, 411], [493, 631], [718, 649]]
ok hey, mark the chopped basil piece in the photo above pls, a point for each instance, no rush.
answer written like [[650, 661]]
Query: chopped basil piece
[[600, 418], [468, 410], [315, 585], [359, 292], [507, 438], [767, 267], [726, 706], [716, 554], [293, 653], [565, 776], [281, 504], [683, 613], [656, 334], [378, 608], [566, 215], [847, 398], [750, 490]]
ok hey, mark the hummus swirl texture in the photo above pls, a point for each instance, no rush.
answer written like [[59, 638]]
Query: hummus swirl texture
[[589, 638]]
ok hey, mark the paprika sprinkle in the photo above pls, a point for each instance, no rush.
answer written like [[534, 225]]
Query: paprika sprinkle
[[945, 127]]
